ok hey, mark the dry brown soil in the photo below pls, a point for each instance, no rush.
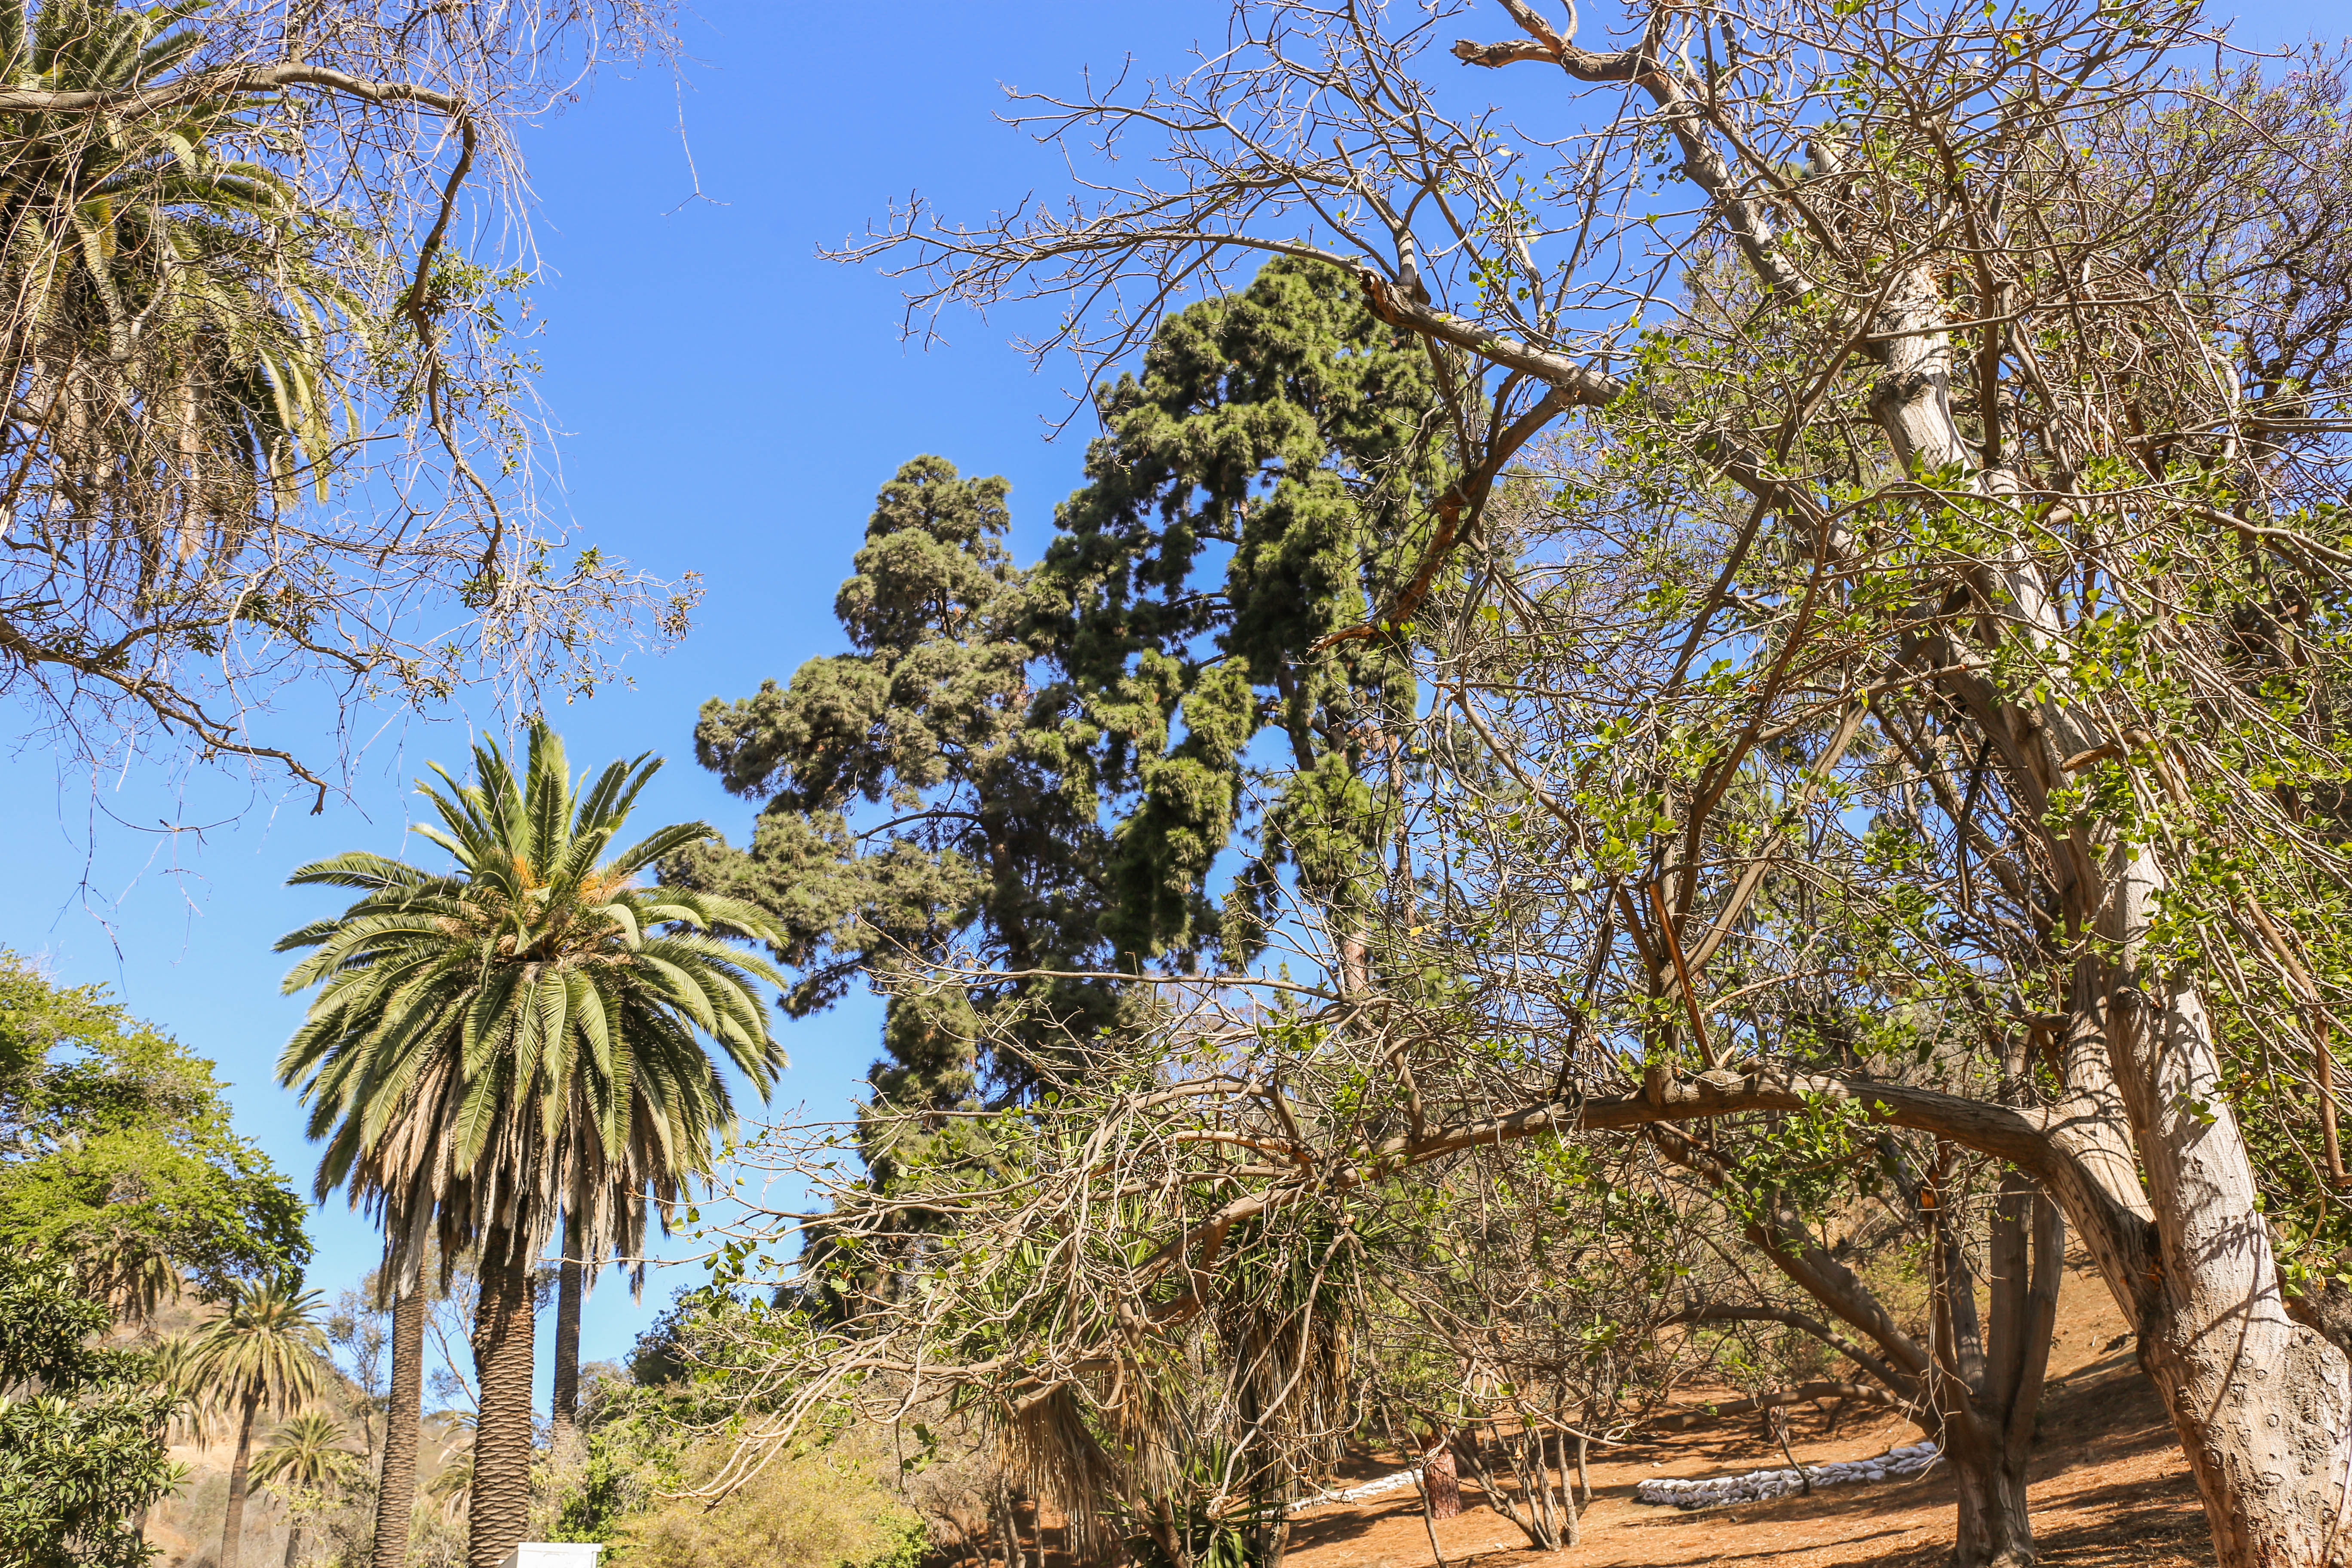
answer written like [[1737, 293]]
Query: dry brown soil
[[2109, 1489]]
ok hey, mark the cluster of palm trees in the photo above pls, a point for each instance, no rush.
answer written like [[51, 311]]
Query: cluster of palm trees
[[264, 1354], [510, 1052], [306, 1457]]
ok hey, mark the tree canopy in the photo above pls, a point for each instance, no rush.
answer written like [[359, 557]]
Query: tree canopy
[[117, 1152], [265, 411], [1062, 752], [517, 1044], [1893, 740], [81, 1429]]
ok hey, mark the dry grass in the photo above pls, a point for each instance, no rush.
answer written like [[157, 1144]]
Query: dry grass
[[826, 1509]]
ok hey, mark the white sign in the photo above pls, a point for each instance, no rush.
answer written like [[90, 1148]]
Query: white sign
[[553, 1554]]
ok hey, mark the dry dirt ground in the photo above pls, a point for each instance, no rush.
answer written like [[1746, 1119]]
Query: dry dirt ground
[[2109, 1489]]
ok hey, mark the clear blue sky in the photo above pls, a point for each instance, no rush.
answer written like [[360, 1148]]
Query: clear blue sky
[[730, 405]]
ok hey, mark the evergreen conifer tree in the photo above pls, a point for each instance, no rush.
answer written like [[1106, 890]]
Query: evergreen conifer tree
[[1060, 754]]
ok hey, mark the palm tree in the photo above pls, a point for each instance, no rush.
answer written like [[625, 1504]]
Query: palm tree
[[172, 1367], [452, 1485], [266, 1351], [173, 349], [169, 1358], [518, 1043], [395, 1488], [305, 1458]]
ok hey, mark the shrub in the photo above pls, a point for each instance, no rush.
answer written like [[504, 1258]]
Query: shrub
[[823, 1510]]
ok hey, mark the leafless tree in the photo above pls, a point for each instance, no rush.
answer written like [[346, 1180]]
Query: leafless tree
[[268, 415], [1536, 1318], [1979, 372]]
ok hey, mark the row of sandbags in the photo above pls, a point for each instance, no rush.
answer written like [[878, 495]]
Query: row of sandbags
[[1758, 1485]]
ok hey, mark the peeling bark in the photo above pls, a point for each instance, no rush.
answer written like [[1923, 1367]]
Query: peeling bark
[[2263, 1404], [1445, 1484]]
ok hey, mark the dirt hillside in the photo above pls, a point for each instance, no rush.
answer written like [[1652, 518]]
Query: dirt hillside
[[2108, 1488]]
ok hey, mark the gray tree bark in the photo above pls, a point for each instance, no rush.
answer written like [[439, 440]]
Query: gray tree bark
[[2263, 1404], [1975, 1387]]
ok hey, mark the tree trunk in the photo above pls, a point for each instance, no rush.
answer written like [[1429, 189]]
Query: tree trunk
[[1569, 1526], [1988, 1434], [1428, 1515], [2261, 1401], [500, 1509], [293, 1541], [395, 1491], [1975, 1388], [1541, 1523], [2263, 1404], [233, 1524], [1008, 1527], [1444, 1482], [565, 1414], [1356, 962], [1995, 1531], [1986, 1378], [1160, 1521]]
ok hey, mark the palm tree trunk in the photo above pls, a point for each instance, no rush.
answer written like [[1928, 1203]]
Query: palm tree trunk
[[395, 1492], [566, 1416], [293, 1541], [233, 1526], [500, 1509]]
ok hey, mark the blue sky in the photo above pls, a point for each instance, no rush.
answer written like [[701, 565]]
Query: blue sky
[[730, 405]]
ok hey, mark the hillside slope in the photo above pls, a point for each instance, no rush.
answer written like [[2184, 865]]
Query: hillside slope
[[2108, 1486]]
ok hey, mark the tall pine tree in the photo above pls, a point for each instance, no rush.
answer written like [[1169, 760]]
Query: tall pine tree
[[1052, 760]]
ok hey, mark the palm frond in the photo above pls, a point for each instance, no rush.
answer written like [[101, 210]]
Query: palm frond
[[528, 1033]]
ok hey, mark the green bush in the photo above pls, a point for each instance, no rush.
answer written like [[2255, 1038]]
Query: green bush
[[81, 1432]]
